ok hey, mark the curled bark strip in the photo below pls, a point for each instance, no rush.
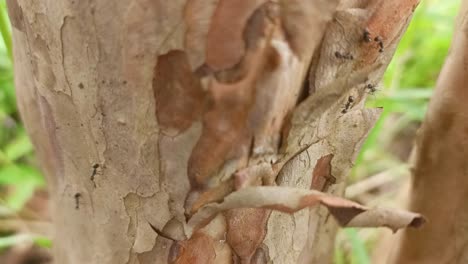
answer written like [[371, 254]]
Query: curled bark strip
[[291, 200], [260, 174], [383, 216]]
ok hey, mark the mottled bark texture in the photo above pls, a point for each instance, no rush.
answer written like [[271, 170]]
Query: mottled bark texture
[[439, 165], [169, 130]]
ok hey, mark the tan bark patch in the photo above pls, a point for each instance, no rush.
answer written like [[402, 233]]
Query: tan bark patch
[[15, 14], [303, 22]]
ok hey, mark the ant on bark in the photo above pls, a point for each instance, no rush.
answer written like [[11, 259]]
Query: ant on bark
[[379, 40], [371, 88], [77, 200], [348, 104], [367, 38], [344, 56], [93, 174]]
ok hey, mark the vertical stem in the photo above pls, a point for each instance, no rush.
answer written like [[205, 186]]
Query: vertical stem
[[5, 31]]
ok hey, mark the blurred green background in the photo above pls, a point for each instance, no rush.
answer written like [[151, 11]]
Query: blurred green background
[[380, 171]]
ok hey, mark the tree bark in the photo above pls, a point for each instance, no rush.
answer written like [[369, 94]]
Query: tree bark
[[170, 130], [440, 177]]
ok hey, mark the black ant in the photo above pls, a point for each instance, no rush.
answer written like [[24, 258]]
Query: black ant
[[379, 40], [371, 88], [77, 200], [344, 56], [93, 174], [366, 36], [348, 104]]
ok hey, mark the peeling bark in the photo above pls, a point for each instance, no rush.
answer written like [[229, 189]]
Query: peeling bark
[[189, 108]]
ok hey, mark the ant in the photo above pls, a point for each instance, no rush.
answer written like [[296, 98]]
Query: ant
[[367, 38], [348, 104], [93, 174], [344, 56], [77, 200], [366, 35], [371, 88], [379, 40]]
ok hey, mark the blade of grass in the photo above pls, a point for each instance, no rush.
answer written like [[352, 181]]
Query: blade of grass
[[339, 256], [5, 31], [9, 241], [359, 252]]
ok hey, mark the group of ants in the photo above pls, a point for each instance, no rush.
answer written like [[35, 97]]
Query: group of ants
[[370, 87]]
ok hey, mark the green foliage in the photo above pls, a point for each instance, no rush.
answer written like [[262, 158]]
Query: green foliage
[[18, 177], [8, 241], [358, 248]]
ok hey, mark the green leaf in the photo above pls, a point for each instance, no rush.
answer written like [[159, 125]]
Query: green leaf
[[24, 180], [43, 242], [21, 195], [5, 31], [339, 256], [19, 174], [18, 147], [359, 252], [13, 240]]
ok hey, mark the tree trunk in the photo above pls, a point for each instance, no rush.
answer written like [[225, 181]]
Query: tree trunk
[[440, 177], [192, 131]]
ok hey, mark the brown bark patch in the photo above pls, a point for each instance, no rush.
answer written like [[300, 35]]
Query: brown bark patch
[[246, 230], [199, 249], [344, 214], [385, 25], [226, 133], [197, 17], [321, 176], [225, 44], [177, 92]]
